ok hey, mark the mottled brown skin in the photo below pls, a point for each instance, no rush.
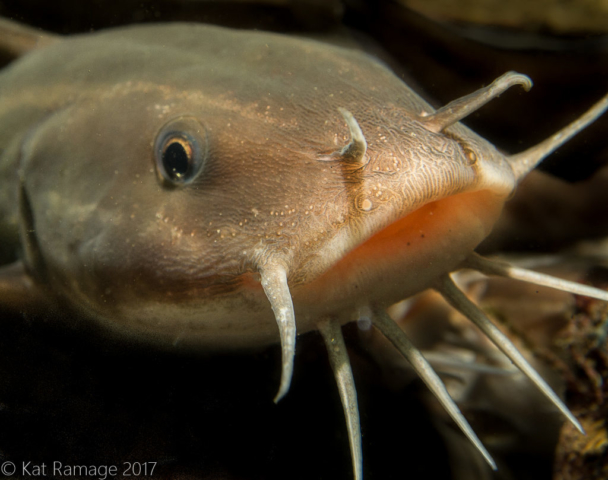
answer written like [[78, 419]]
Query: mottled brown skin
[[78, 121]]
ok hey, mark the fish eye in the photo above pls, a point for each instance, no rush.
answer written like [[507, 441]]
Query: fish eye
[[180, 151]]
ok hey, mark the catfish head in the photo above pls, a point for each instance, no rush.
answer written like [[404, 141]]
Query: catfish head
[[157, 197], [229, 189]]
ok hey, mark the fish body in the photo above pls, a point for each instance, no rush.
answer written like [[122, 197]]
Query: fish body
[[227, 190], [78, 122]]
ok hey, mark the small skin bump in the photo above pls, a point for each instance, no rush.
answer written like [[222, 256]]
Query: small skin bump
[[366, 205], [471, 157]]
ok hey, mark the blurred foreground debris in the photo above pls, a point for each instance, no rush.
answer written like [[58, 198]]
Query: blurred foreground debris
[[585, 343], [557, 16]]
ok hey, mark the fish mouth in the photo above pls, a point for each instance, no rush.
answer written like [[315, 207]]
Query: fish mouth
[[404, 257]]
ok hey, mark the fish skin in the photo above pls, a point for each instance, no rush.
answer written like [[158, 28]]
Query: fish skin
[[78, 121]]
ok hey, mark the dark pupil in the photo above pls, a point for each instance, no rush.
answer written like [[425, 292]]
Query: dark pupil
[[176, 160]]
